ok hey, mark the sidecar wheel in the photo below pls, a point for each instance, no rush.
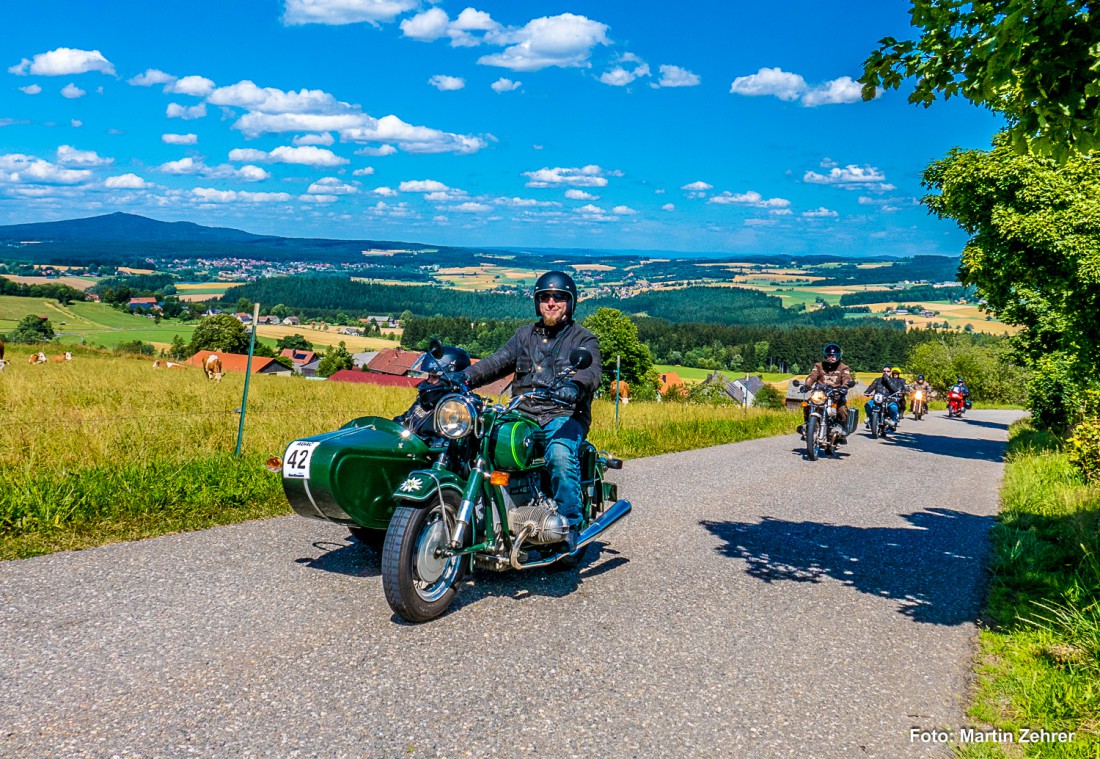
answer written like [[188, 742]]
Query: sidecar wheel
[[419, 584]]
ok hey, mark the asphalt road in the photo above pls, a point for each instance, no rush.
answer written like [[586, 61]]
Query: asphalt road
[[755, 604]]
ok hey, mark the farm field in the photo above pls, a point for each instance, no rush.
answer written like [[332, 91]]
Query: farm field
[[190, 292], [77, 283], [96, 323], [485, 277], [958, 315], [270, 333]]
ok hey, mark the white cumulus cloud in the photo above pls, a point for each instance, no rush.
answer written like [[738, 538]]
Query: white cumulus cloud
[[414, 139], [151, 77], [187, 113], [270, 100], [199, 86], [668, 207], [378, 152], [698, 186], [851, 177], [580, 195], [770, 81], [314, 139], [190, 165], [565, 41], [620, 76], [17, 168], [31, 89], [71, 91], [423, 185], [820, 213], [434, 24], [842, 90], [125, 182], [332, 186], [305, 155], [385, 192], [210, 195], [471, 207], [339, 12], [446, 83], [430, 25], [62, 62], [364, 172], [505, 85], [623, 211], [751, 198], [586, 176], [70, 156], [674, 76], [179, 139]]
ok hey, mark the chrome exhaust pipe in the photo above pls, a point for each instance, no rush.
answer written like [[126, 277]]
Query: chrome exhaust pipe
[[602, 524]]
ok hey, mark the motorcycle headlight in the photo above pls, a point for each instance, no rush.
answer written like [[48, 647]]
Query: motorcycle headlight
[[454, 417], [817, 396], [878, 397], [919, 395]]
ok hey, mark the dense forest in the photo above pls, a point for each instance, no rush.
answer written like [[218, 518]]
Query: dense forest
[[62, 293], [908, 295], [916, 269]]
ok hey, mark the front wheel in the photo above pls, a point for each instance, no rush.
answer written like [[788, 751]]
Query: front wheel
[[418, 581], [873, 418], [812, 445]]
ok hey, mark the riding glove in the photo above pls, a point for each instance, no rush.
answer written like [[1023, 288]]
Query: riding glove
[[567, 393]]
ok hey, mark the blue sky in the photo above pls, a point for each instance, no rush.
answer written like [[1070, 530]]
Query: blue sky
[[727, 127]]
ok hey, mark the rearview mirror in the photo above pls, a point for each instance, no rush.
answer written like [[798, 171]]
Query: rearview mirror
[[580, 358], [435, 347], [796, 384], [851, 383]]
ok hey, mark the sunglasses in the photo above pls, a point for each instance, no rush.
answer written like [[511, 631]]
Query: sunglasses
[[547, 297]]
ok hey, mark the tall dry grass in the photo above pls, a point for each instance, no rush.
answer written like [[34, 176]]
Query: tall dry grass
[[107, 448]]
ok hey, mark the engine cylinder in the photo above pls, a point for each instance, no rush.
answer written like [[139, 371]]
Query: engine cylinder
[[545, 524]]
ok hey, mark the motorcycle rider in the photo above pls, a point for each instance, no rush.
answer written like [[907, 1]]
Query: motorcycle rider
[[419, 418], [538, 353], [887, 384], [960, 387], [922, 386], [832, 373]]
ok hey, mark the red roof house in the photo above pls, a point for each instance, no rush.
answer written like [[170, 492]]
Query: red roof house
[[299, 357], [395, 361], [373, 378], [237, 362]]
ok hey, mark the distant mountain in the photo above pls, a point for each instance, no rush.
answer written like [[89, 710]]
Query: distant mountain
[[126, 227]]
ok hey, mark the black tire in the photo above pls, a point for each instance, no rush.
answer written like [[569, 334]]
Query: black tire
[[368, 537], [412, 596], [917, 415], [873, 418], [812, 447]]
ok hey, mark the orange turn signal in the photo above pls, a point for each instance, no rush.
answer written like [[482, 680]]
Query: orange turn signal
[[274, 465], [498, 478]]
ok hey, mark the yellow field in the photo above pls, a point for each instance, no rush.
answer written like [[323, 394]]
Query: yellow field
[[593, 267], [79, 283], [956, 314], [484, 277], [331, 337], [128, 270]]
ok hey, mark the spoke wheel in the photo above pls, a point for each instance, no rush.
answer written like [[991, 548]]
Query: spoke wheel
[[873, 418], [417, 579]]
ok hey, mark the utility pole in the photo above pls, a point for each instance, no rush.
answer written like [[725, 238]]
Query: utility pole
[[618, 362]]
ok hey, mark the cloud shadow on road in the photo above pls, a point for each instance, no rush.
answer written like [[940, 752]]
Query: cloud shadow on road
[[932, 569]]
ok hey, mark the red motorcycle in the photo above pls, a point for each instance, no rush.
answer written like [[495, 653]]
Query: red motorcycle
[[956, 403]]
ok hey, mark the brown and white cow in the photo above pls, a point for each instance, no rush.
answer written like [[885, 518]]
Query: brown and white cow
[[213, 367], [66, 356], [3, 363], [38, 358], [158, 364], [624, 391]]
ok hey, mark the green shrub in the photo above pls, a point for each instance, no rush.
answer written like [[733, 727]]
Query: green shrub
[[1084, 445]]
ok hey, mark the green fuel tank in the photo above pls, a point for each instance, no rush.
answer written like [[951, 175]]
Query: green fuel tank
[[349, 475]]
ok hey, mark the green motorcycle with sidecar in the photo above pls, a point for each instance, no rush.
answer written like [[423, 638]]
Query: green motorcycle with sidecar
[[470, 493]]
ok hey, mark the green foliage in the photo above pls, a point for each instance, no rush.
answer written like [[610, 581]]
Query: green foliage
[[910, 294], [294, 342], [32, 329], [618, 337], [221, 332], [1083, 447], [1052, 392], [710, 393], [769, 397], [1040, 659], [136, 348], [62, 293], [336, 359], [178, 351], [1032, 60], [477, 339], [989, 370]]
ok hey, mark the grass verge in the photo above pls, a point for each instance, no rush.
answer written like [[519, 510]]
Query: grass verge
[[106, 448], [1039, 660]]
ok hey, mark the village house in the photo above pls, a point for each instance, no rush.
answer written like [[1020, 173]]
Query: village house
[[238, 362], [395, 361], [143, 302], [292, 320]]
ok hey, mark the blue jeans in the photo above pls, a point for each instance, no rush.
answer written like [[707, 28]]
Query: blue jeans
[[563, 460], [891, 410]]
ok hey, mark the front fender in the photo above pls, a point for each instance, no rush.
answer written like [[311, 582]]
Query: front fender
[[423, 486]]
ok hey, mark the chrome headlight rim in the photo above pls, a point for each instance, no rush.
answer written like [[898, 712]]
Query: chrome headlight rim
[[817, 397], [454, 416]]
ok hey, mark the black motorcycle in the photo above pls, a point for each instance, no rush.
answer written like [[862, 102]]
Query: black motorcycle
[[823, 429], [877, 419]]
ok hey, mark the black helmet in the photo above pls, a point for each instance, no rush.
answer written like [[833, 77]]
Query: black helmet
[[831, 353], [557, 281], [920, 378], [959, 380], [453, 359]]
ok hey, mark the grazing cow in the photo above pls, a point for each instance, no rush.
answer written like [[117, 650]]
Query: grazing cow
[[158, 364], [38, 358], [62, 358], [3, 363], [213, 367], [624, 391]]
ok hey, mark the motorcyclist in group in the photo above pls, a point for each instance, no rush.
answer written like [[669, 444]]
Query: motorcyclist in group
[[832, 373], [921, 385], [538, 353], [887, 384], [960, 387], [419, 418]]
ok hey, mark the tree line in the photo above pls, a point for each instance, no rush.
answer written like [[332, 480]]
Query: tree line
[[908, 295]]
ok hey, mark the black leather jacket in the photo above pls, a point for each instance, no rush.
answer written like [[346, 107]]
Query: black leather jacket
[[538, 354], [888, 385]]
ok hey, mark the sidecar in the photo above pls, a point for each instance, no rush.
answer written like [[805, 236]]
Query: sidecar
[[349, 476]]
